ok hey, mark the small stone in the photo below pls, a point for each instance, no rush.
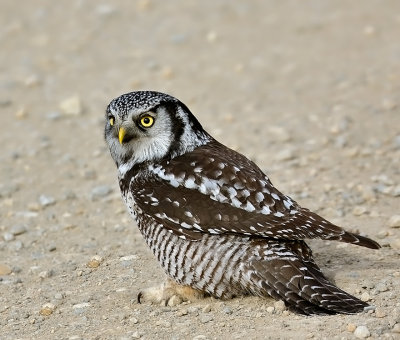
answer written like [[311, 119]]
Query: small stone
[[397, 142], [388, 104], [54, 115], [381, 287], [100, 192], [46, 201], [351, 327], [4, 269], [206, 309], [59, 296], [394, 221], [32, 80], [362, 332], [182, 312], [279, 134], [167, 72], [365, 297], [270, 309], [359, 210], [90, 174], [396, 191], [79, 308], [21, 113], [227, 310], [395, 244], [8, 237], [380, 313], [71, 106], [211, 36], [382, 234], [128, 258], [94, 261], [174, 301], [200, 337], [105, 10], [163, 323], [193, 310], [369, 30], [18, 229], [285, 155], [133, 320], [46, 274], [396, 328], [279, 305], [47, 309], [204, 318]]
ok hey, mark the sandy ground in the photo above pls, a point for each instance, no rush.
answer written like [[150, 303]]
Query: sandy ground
[[310, 90]]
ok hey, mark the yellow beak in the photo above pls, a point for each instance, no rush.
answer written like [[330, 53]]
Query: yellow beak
[[121, 135]]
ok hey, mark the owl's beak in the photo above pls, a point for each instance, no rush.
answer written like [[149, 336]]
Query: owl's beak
[[121, 135]]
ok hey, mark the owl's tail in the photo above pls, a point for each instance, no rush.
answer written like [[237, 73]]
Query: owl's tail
[[286, 271]]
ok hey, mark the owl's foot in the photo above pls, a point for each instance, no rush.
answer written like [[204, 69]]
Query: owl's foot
[[169, 293]]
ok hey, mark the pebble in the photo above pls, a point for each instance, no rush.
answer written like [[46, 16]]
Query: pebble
[[21, 113], [279, 134], [163, 323], [396, 328], [380, 313], [381, 287], [200, 337], [100, 192], [54, 115], [59, 296], [182, 312], [359, 210], [351, 327], [8, 237], [79, 308], [227, 310], [204, 318], [394, 221], [18, 229], [94, 261], [128, 258], [193, 310], [395, 244], [365, 297], [362, 332], [206, 309], [46, 274], [71, 106], [4, 269], [388, 104], [285, 155], [270, 309], [397, 142], [46, 201], [174, 301], [47, 309], [279, 305]]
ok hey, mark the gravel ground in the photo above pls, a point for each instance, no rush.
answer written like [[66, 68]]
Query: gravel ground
[[309, 90]]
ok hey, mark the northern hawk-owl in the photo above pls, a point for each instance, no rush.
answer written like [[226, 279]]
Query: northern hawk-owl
[[211, 217]]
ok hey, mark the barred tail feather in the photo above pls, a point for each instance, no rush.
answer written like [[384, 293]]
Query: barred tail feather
[[288, 273]]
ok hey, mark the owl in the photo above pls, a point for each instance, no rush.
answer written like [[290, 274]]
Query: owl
[[211, 217]]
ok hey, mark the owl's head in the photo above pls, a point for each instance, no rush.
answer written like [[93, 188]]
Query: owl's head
[[147, 126]]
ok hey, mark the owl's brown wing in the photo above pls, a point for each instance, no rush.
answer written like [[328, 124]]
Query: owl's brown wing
[[215, 190]]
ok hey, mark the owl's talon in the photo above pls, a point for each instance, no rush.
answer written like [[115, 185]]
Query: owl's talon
[[169, 293]]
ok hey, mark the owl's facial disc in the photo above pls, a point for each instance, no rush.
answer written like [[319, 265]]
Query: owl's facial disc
[[147, 126]]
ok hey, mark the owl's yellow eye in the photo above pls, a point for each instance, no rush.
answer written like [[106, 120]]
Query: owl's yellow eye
[[147, 121], [112, 121]]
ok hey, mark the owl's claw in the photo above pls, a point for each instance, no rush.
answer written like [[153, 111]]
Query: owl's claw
[[169, 293]]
